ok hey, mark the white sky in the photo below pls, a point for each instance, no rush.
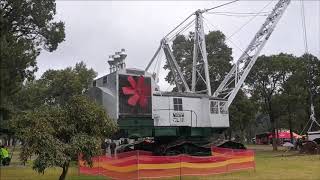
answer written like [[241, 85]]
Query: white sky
[[95, 30]]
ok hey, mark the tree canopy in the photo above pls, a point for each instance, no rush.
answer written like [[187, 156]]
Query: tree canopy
[[58, 134], [219, 58], [56, 120], [282, 84], [26, 28], [266, 80]]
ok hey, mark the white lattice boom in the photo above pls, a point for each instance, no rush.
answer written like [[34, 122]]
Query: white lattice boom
[[240, 70]]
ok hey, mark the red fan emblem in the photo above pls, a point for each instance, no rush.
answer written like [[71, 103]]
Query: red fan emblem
[[139, 91]]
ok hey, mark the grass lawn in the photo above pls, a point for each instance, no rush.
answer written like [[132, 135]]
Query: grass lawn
[[21, 173], [276, 165], [269, 165]]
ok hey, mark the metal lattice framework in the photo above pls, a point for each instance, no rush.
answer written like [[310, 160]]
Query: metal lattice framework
[[202, 61], [175, 69], [240, 70]]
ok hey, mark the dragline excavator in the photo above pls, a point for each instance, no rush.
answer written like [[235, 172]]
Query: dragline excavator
[[133, 98]]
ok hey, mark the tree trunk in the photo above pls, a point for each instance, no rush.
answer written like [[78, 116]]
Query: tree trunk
[[290, 127], [273, 128], [277, 132], [229, 134], [242, 136], [274, 140], [64, 171]]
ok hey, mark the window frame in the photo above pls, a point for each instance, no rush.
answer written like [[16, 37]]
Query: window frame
[[214, 107], [177, 104], [222, 107], [105, 80]]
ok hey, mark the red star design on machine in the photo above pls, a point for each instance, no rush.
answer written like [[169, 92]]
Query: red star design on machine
[[139, 91]]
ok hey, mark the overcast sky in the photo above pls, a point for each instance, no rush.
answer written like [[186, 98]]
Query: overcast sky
[[97, 29]]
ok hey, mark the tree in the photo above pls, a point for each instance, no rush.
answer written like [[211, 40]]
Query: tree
[[54, 87], [293, 97], [242, 115], [311, 72], [265, 81], [219, 58], [63, 84], [26, 28], [56, 121], [57, 134]]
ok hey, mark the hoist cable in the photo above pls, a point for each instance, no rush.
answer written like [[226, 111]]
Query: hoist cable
[[207, 22], [305, 39], [246, 23], [206, 10], [303, 19], [240, 13], [239, 16], [182, 30], [179, 25]]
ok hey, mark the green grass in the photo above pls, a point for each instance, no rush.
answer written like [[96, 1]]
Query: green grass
[[16, 171], [22, 173], [269, 166], [275, 166]]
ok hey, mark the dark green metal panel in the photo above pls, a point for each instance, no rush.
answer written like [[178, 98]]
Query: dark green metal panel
[[143, 127], [206, 131], [134, 123], [136, 126], [165, 131], [200, 131]]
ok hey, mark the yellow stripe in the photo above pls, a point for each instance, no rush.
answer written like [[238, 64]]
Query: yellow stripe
[[194, 165], [129, 168], [135, 167], [160, 166]]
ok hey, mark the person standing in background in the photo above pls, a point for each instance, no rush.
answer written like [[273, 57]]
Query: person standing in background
[[107, 145], [113, 146], [4, 156]]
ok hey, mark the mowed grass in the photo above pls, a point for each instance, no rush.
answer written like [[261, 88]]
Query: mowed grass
[[22, 173], [275, 166], [16, 171], [269, 166]]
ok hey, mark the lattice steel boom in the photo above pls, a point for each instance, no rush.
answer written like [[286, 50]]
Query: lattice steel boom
[[240, 70]]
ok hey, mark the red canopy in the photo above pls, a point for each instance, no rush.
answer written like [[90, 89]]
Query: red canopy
[[286, 135]]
